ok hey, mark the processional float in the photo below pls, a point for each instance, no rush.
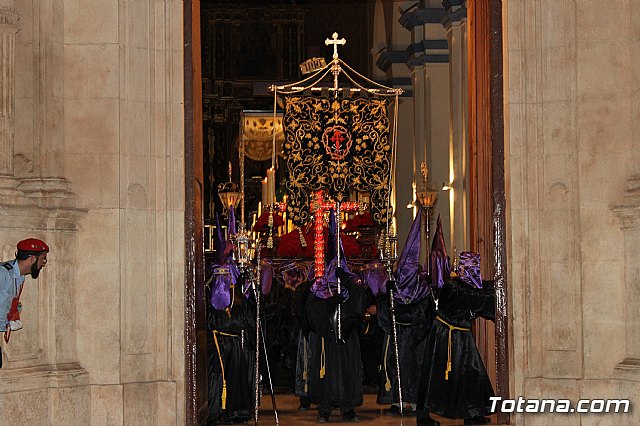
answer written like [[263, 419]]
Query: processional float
[[338, 139]]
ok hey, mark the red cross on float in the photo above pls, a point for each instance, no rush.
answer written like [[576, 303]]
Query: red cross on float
[[318, 207]]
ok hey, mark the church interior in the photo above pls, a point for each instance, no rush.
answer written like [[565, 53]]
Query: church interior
[[248, 47], [129, 128]]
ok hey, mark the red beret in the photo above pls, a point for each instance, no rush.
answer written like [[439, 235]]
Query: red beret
[[33, 244]]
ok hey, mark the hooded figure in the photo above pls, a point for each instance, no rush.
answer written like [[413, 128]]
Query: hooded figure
[[327, 286], [335, 373], [440, 267], [232, 324], [454, 381], [411, 298], [374, 277]]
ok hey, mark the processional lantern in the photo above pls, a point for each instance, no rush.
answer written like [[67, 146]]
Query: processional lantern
[[229, 193], [388, 248], [427, 196], [243, 248]]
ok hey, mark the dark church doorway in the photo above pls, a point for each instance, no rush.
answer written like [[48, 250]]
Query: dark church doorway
[[227, 70]]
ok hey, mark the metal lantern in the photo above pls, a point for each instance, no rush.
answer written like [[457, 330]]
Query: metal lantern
[[391, 247], [243, 249], [388, 247], [229, 193], [427, 197]]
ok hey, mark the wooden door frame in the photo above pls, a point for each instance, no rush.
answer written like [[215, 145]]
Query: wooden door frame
[[488, 118], [487, 177], [196, 410]]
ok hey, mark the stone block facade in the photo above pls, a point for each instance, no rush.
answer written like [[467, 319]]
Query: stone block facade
[[92, 163], [571, 83]]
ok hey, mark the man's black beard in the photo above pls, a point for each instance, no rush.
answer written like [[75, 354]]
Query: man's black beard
[[35, 271]]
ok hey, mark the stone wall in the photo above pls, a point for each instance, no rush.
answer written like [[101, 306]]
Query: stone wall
[[97, 171], [571, 80]]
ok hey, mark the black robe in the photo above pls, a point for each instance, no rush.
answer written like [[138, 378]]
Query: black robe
[[276, 324], [410, 326], [305, 339], [235, 335], [272, 306], [466, 392], [341, 383], [289, 333], [371, 341]]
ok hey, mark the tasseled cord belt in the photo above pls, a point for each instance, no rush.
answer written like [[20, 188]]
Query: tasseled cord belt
[[305, 374], [224, 380], [323, 361], [451, 328]]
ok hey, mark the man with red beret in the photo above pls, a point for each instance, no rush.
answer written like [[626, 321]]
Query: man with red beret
[[31, 257]]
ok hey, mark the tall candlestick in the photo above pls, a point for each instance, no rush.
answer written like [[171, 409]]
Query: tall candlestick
[[265, 191], [271, 185]]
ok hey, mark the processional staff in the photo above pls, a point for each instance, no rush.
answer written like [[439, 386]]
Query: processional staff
[[337, 266], [389, 256], [245, 256]]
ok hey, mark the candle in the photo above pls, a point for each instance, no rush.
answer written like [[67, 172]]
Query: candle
[[271, 186], [264, 192], [259, 209]]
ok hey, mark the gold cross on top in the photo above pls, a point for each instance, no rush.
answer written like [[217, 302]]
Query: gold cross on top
[[334, 40]]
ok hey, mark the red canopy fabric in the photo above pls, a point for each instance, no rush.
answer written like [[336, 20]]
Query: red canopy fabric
[[364, 219], [263, 221], [290, 246]]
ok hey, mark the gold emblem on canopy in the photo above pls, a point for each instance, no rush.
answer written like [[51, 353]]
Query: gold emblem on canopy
[[257, 134]]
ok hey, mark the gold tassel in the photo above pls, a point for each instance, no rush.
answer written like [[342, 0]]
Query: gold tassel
[[322, 361], [446, 372], [305, 374], [270, 222], [224, 380], [303, 242], [224, 394], [387, 385], [451, 328]]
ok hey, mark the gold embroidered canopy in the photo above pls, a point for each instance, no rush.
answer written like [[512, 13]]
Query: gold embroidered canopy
[[336, 145], [338, 139]]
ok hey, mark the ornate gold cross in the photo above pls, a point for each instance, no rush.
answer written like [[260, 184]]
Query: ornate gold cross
[[334, 40]]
